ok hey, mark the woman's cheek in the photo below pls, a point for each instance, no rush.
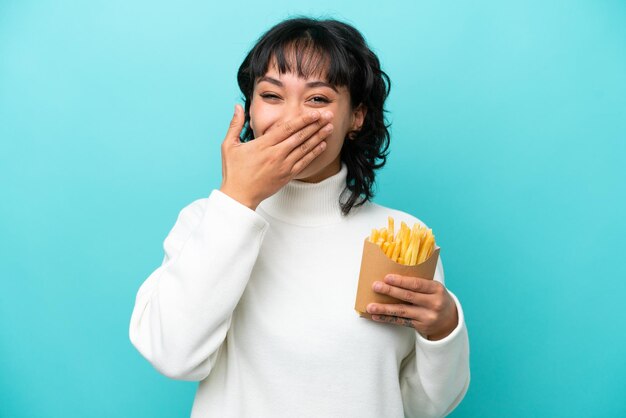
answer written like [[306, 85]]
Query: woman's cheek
[[257, 118], [254, 121], [262, 121]]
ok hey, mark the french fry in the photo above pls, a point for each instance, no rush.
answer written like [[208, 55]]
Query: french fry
[[431, 249], [396, 250], [416, 248], [405, 239], [427, 245], [408, 246], [403, 226], [390, 249], [426, 233]]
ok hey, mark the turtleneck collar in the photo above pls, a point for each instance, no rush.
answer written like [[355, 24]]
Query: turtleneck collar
[[308, 204]]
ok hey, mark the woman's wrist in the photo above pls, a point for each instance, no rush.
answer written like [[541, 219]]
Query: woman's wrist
[[244, 200], [441, 334]]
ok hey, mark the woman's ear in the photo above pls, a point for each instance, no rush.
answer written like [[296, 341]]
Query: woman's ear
[[358, 116]]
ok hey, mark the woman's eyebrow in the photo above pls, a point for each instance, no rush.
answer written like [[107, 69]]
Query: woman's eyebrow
[[309, 84]]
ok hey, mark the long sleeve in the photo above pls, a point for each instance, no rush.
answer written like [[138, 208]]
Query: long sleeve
[[435, 376], [184, 308]]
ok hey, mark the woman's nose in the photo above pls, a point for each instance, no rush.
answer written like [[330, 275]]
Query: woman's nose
[[292, 110]]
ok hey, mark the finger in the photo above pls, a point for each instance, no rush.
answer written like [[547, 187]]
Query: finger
[[288, 128], [415, 284], [308, 158], [405, 322], [421, 318], [236, 125], [307, 146], [300, 137], [405, 295], [298, 141], [397, 309]]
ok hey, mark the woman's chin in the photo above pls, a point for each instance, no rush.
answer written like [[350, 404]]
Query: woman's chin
[[308, 173], [320, 169]]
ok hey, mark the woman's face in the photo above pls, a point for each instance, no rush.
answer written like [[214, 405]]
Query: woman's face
[[278, 98]]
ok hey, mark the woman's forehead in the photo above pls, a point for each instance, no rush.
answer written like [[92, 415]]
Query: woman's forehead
[[305, 62], [273, 72], [301, 71]]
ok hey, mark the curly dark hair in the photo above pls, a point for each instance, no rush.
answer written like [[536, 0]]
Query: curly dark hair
[[339, 50]]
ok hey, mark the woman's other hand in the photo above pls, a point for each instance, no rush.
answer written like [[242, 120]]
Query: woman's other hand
[[253, 171], [429, 309]]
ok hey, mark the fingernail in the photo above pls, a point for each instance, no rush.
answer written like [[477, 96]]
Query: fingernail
[[378, 286], [235, 109], [328, 114], [314, 114], [389, 279], [371, 308]]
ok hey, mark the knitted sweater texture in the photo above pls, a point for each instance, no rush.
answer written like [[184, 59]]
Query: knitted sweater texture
[[258, 307]]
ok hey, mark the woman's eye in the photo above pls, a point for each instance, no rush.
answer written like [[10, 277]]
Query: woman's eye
[[320, 99], [316, 99]]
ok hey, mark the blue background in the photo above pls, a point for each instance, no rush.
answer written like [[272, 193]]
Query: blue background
[[508, 139]]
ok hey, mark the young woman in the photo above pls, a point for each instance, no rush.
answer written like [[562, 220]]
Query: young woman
[[255, 295]]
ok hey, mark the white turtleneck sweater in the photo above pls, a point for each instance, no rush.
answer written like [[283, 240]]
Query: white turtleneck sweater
[[258, 306]]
